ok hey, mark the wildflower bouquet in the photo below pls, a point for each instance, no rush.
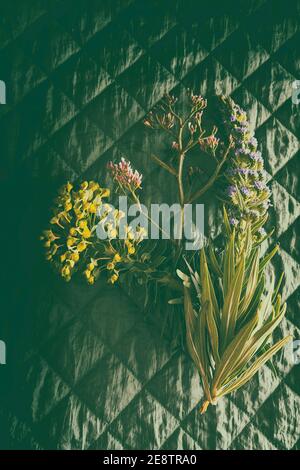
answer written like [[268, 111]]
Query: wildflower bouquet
[[229, 314]]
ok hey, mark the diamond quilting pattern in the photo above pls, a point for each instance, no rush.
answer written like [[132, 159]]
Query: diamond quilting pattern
[[80, 78]]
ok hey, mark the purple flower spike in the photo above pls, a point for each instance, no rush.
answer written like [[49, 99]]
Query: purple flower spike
[[231, 190], [253, 141], [245, 190], [256, 156], [233, 221], [242, 171], [259, 185]]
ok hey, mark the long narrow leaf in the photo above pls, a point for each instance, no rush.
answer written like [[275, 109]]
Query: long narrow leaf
[[267, 258], [231, 303], [246, 376], [190, 328], [257, 341], [213, 260], [226, 222], [251, 283], [277, 288], [233, 350], [255, 302], [212, 310], [229, 263], [260, 223]]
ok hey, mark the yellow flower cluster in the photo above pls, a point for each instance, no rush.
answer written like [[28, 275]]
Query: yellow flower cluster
[[89, 272], [121, 250], [71, 241], [72, 223]]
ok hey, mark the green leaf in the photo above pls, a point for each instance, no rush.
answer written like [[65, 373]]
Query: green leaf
[[256, 299], [229, 263], [277, 288], [205, 280], [261, 240], [231, 303], [233, 351], [208, 298], [260, 223], [251, 281], [240, 200], [201, 339], [212, 310], [248, 244], [258, 363], [195, 279], [269, 326], [267, 258], [226, 222], [213, 260], [258, 340], [266, 304], [197, 353]]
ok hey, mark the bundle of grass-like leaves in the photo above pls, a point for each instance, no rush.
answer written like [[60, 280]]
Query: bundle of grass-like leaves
[[230, 314]]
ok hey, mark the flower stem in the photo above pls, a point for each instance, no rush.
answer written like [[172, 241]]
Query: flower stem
[[180, 180], [137, 201], [204, 406]]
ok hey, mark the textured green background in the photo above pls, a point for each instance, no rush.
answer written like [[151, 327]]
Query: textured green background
[[84, 368]]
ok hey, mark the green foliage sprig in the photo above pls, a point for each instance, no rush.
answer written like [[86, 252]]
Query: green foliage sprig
[[230, 316]]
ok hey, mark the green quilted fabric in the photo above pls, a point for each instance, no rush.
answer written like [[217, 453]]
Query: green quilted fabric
[[85, 369]]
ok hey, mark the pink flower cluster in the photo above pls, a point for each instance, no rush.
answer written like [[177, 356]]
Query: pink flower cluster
[[212, 141], [123, 173], [198, 101]]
